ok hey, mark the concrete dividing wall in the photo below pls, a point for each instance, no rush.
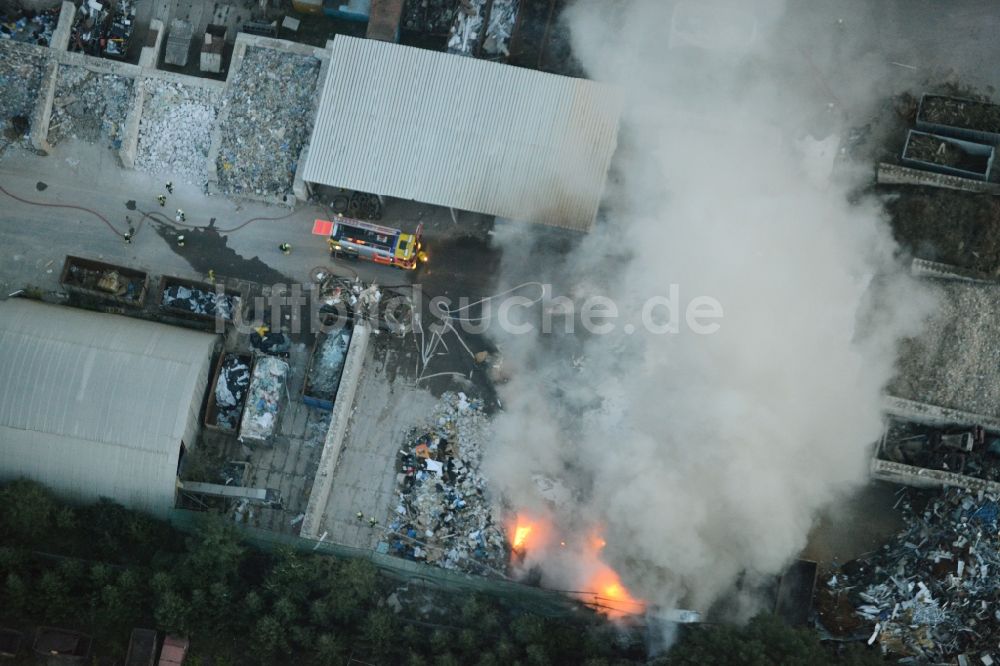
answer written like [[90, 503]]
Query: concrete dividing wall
[[43, 108], [343, 405], [149, 57], [61, 35]]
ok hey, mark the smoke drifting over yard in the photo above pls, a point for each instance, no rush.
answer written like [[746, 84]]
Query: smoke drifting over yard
[[704, 457]]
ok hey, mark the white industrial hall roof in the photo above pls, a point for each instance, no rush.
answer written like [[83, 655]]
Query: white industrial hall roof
[[464, 133], [97, 405]]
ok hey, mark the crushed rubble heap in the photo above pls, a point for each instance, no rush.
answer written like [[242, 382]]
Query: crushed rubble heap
[[468, 27], [267, 387], [21, 72], [270, 116], [503, 17], [955, 361], [29, 26], [970, 114], [970, 451], [930, 594], [230, 391], [934, 150], [433, 17], [328, 364], [444, 516], [201, 302], [176, 129], [88, 105], [109, 281]]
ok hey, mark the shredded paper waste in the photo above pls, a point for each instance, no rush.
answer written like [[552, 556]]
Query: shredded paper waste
[[930, 595], [444, 515]]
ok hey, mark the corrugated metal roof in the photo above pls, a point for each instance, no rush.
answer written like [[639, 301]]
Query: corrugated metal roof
[[465, 133], [95, 404]]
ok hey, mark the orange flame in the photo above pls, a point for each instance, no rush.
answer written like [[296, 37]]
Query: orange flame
[[609, 594], [521, 534]]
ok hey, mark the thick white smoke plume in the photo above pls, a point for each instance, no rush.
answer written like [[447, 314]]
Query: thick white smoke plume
[[706, 457]]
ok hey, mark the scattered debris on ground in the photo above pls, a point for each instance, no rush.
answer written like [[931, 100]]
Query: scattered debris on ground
[[930, 594], [89, 106], [444, 515], [230, 391], [270, 108], [268, 387], [433, 17], [176, 129], [21, 72], [33, 27], [202, 302]]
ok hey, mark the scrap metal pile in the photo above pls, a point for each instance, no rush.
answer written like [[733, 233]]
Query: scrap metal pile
[[930, 594], [230, 391], [29, 26], [88, 105], [202, 302], [269, 117], [120, 27], [176, 129], [21, 71], [433, 17], [970, 451], [444, 515], [351, 299], [465, 33], [268, 385]]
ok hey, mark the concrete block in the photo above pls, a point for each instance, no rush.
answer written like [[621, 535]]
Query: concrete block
[[43, 107], [130, 134], [149, 57]]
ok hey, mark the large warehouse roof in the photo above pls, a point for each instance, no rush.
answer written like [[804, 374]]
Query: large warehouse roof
[[464, 133], [97, 405]]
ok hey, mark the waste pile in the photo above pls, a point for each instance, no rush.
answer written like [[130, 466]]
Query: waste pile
[[176, 129], [21, 72], [346, 299], [108, 281], [230, 391], [270, 342], [270, 108], [90, 27], [268, 385], [120, 28], [200, 301], [328, 364], [971, 451], [930, 594], [88, 105], [468, 27], [29, 26], [503, 16], [433, 17], [444, 516]]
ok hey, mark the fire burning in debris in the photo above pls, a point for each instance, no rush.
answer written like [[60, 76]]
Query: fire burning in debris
[[600, 586]]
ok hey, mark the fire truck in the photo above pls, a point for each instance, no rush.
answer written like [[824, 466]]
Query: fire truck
[[384, 245]]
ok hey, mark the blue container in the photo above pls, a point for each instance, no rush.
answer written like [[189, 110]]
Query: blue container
[[983, 152], [988, 135]]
